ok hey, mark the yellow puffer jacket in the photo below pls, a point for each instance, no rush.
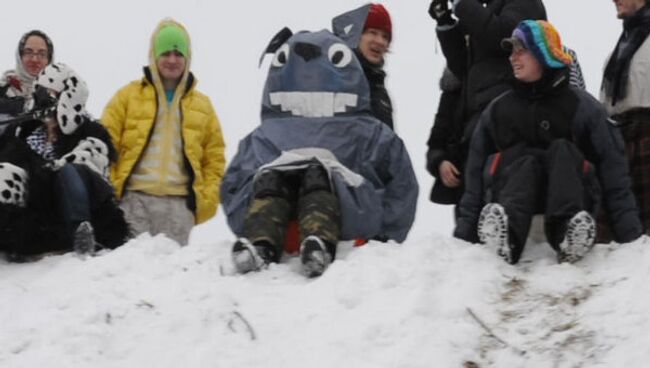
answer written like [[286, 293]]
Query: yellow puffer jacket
[[129, 118]]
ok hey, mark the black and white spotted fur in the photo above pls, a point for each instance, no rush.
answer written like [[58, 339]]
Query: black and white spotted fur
[[13, 184], [73, 94]]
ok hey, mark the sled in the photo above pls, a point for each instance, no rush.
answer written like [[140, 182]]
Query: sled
[[292, 238]]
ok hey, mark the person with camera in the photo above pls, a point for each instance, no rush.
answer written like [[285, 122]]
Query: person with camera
[[54, 189]]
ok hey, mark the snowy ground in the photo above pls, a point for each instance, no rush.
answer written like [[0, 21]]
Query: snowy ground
[[152, 303]]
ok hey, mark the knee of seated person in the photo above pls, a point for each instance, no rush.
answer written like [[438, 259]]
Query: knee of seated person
[[315, 178], [66, 172], [270, 183]]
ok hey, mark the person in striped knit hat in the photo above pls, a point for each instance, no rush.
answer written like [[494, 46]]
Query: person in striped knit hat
[[544, 147]]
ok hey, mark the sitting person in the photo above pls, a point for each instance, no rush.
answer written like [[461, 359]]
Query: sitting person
[[318, 155], [449, 138], [544, 147], [55, 194], [35, 51]]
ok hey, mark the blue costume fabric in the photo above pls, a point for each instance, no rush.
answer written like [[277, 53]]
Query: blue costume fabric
[[316, 108]]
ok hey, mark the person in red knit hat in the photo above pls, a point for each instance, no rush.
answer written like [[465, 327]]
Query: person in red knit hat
[[368, 30]]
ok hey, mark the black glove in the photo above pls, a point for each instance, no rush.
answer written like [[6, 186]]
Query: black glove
[[440, 12], [42, 99]]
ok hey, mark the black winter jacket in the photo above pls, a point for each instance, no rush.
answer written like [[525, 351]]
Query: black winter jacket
[[380, 103], [536, 114], [473, 46], [445, 140]]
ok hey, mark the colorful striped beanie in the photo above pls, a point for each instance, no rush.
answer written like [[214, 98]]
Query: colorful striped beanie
[[543, 40]]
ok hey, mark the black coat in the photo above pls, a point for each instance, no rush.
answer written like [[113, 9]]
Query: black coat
[[445, 140], [38, 226], [473, 46], [537, 114], [380, 103]]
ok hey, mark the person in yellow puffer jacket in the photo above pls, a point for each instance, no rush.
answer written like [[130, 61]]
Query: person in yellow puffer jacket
[[169, 141]]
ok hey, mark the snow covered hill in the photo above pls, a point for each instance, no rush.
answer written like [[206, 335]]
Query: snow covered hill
[[433, 301], [421, 304]]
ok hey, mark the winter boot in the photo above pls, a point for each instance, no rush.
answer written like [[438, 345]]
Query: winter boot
[[84, 239], [248, 257], [579, 239], [314, 256], [493, 231]]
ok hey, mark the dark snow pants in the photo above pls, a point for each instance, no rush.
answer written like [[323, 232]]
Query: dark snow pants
[[59, 200], [556, 182], [73, 200], [280, 196], [637, 146]]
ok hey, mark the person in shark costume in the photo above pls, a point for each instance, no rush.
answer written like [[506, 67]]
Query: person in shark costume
[[317, 155]]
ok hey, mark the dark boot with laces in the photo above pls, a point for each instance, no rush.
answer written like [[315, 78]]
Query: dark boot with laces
[[249, 257]]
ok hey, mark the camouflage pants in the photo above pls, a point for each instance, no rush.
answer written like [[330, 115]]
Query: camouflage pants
[[315, 207]]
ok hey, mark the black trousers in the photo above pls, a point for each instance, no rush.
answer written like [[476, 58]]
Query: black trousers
[[557, 182], [58, 201]]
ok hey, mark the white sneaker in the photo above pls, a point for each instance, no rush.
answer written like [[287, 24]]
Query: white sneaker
[[579, 238], [493, 230]]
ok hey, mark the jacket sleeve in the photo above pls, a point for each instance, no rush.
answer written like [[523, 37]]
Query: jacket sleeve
[[114, 118], [454, 47], [213, 164], [442, 134], [603, 145], [471, 202], [488, 28]]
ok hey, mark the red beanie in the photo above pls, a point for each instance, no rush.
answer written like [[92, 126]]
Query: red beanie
[[379, 18]]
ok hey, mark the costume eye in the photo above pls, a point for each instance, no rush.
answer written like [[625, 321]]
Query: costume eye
[[340, 55], [281, 56]]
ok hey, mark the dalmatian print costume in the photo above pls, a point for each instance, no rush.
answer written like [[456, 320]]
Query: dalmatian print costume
[[70, 111], [13, 183], [91, 152], [73, 94]]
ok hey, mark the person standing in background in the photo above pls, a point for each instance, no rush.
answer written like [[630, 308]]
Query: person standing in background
[[625, 93], [171, 149], [368, 30]]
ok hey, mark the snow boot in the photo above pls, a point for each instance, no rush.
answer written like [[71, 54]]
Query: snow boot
[[579, 238], [314, 256], [248, 257], [84, 239], [493, 231]]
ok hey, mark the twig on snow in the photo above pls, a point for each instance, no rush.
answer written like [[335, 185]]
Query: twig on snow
[[250, 329], [492, 334]]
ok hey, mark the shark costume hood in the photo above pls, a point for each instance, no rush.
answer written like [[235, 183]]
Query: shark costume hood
[[316, 107]]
